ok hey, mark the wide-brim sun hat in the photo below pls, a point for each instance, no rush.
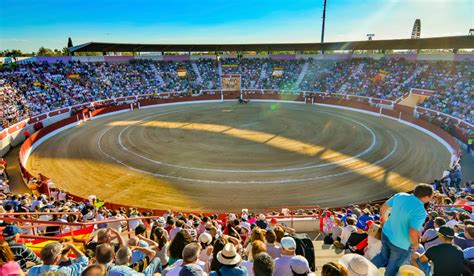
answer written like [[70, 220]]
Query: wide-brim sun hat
[[358, 265], [228, 255], [410, 270]]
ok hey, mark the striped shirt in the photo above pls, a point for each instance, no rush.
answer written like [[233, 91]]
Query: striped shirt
[[23, 254]]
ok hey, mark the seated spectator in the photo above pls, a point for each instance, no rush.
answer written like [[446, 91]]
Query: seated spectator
[[374, 241], [123, 259], [334, 269], [468, 239], [358, 265], [205, 240], [273, 248], [346, 232], [177, 245], [11, 234], [163, 245], [257, 248], [263, 265], [446, 257], [452, 221], [51, 256], [230, 260], [190, 258], [94, 270], [8, 266], [430, 237], [218, 246], [282, 264], [106, 236], [300, 266]]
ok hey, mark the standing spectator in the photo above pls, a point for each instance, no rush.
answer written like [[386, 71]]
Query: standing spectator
[[11, 234], [51, 256], [446, 257], [8, 266], [282, 264], [263, 265], [402, 229]]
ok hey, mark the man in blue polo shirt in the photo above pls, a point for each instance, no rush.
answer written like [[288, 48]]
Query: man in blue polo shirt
[[401, 231]]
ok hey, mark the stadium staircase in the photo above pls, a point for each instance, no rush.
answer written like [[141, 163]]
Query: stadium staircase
[[358, 71], [303, 72], [418, 71], [263, 72], [219, 68], [198, 74], [157, 74]]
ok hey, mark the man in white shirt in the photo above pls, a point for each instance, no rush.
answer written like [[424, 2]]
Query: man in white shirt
[[282, 264]]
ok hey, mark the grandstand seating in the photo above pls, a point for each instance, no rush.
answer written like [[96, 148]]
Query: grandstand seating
[[30, 90]]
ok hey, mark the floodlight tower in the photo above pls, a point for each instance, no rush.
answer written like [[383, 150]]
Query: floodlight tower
[[324, 25]]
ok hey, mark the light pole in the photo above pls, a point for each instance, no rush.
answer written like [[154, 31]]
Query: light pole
[[323, 27]]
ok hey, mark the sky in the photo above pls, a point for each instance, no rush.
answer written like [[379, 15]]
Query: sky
[[30, 24]]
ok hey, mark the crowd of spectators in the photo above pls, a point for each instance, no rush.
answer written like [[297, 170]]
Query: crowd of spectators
[[33, 88], [429, 231]]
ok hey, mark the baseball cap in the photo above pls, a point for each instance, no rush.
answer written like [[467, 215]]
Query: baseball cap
[[446, 231], [262, 217], [288, 243], [433, 214], [273, 221], [299, 265], [11, 230]]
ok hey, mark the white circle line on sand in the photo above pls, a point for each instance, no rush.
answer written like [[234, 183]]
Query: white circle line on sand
[[291, 180], [305, 166]]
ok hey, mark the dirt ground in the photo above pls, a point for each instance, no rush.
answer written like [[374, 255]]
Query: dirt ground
[[225, 157]]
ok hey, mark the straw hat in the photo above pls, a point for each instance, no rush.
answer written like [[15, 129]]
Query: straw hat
[[228, 255], [358, 265], [409, 270]]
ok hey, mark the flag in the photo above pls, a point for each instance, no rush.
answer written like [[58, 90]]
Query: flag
[[277, 72], [73, 76], [78, 239], [181, 72]]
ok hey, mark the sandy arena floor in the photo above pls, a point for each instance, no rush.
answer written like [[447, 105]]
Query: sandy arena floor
[[225, 157]]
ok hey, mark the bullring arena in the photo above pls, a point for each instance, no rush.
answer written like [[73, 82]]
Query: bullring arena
[[193, 155]]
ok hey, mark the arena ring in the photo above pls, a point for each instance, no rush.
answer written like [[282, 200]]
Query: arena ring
[[221, 156]]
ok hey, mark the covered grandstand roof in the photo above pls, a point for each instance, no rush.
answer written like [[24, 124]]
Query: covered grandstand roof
[[453, 42]]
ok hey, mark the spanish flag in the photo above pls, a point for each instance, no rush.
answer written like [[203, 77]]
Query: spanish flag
[[78, 238], [73, 76]]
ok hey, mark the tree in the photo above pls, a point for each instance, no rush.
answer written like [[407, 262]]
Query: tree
[[44, 52], [11, 53]]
